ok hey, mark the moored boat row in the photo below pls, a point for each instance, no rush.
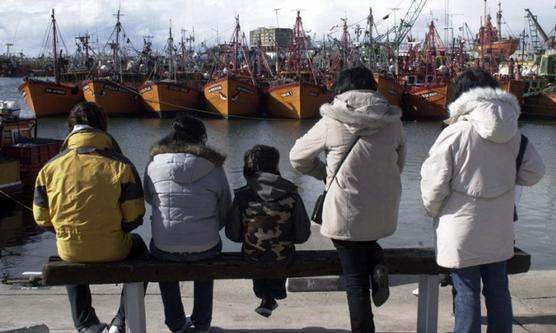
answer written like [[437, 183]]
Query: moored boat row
[[234, 81]]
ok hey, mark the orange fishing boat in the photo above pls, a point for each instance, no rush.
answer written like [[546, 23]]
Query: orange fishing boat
[[490, 42], [297, 100], [298, 92], [47, 98], [229, 96], [390, 89], [426, 102], [167, 98], [232, 90], [116, 99]]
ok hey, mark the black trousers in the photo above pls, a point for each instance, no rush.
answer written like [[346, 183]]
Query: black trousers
[[270, 288], [79, 295], [358, 260]]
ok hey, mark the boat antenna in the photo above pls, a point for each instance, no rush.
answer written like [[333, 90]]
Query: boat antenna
[[56, 62]]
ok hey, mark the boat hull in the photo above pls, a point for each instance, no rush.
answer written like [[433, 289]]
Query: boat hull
[[426, 102], [167, 98], [230, 97], [114, 98], [50, 98], [390, 89], [505, 46], [514, 87], [542, 105], [10, 180], [296, 100]]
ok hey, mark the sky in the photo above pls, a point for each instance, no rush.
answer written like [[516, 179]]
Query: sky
[[24, 22]]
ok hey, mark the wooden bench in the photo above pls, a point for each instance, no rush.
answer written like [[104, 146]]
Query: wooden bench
[[403, 261]]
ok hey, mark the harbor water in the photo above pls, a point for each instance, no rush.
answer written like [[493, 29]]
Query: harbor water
[[24, 247]]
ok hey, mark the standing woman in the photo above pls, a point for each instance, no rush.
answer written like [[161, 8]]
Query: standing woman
[[189, 193], [362, 202], [467, 186]]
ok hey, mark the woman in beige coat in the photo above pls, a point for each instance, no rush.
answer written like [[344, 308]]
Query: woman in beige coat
[[362, 202], [467, 186]]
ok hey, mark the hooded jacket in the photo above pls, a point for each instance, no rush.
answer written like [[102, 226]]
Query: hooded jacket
[[269, 217], [91, 195], [362, 202], [189, 193], [468, 179]]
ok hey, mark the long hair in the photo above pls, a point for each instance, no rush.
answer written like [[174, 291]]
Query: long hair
[[356, 78], [261, 158], [88, 113], [186, 130], [472, 78]]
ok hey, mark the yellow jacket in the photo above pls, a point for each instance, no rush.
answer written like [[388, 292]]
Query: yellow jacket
[[91, 195]]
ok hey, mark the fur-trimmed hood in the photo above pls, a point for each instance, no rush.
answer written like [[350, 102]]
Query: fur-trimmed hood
[[493, 113], [185, 163], [199, 150], [362, 109]]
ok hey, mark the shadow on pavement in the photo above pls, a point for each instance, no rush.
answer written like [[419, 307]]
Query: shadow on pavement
[[539, 320], [304, 330]]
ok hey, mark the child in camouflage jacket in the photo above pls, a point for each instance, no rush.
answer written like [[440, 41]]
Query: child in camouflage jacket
[[269, 217]]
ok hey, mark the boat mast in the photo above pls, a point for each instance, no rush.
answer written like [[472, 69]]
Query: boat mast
[[171, 55], [116, 46], [499, 20], [55, 50], [235, 44], [370, 47]]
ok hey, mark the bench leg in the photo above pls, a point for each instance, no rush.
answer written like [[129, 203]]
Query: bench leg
[[427, 310], [134, 305]]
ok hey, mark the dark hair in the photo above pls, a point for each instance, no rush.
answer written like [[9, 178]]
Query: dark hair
[[186, 130], [88, 113], [356, 78], [261, 158], [471, 78]]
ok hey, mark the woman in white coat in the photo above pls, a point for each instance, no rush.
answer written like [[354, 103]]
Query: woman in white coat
[[467, 186], [361, 205]]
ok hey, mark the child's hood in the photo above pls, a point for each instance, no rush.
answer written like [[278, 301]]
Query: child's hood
[[269, 186]]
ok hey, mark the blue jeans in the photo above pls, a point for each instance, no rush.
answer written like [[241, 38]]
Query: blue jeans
[[467, 282], [358, 260], [174, 313]]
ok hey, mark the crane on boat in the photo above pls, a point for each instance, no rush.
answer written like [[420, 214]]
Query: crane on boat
[[535, 30]]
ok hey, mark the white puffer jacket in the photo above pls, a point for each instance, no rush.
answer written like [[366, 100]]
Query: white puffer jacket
[[190, 197], [468, 179], [362, 203]]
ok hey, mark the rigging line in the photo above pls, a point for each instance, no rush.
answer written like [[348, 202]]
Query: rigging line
[[16, 201]]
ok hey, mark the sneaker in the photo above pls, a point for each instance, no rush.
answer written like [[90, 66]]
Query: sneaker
[[96, 328], [266, 307], [380, 288], [186, 326], [415, 292], [116, 329]]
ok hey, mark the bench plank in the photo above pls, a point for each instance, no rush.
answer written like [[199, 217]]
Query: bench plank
[[403, 261]]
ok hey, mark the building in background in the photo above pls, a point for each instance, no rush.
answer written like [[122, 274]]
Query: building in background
[[270, 37]]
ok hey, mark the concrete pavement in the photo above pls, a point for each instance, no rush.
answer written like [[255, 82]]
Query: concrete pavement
[[534, 302]]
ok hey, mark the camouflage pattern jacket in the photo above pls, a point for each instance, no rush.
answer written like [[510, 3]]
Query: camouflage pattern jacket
[[269, 217]]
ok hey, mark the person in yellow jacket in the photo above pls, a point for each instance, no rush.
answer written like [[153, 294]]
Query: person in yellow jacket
[[90, 196]]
